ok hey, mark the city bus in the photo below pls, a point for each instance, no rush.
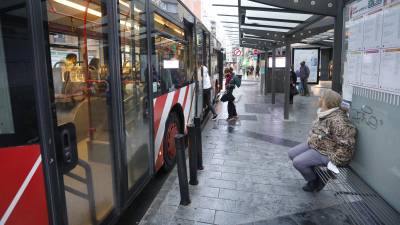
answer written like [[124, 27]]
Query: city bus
[[92, 93]]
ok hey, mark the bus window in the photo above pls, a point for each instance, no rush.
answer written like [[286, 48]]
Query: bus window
[[18, 122], [6, 118], [170, 68], [78, 32], [135, 87]]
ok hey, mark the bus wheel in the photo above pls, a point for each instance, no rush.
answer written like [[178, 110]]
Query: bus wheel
[[171, 129]]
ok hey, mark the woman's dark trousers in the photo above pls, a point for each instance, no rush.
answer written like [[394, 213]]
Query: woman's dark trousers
[[231, 109]]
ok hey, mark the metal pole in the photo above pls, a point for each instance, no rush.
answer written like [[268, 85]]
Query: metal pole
[[266, 71], [182, 173], [273, 75], [198, 143], [192, 155], [337, 48], [288, 53]]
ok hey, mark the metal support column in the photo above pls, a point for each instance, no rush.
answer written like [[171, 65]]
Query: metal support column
[[266, 72], [273, 75], [337, 48], [182, 172], [288, 52]]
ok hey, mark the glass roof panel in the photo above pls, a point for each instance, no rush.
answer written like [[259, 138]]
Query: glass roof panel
[[224, 2], [248, 3], [264, 28], [278, 15], [250, 35], [272, 23], [229, 18]]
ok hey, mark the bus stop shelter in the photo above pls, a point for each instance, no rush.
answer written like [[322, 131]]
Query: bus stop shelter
[[272, 24]]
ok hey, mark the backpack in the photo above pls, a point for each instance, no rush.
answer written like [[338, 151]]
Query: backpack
[[237, 80]]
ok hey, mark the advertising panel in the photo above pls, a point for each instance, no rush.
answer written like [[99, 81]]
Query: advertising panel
[[311, 57]]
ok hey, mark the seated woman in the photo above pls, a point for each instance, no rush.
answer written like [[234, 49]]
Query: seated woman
[[332, 139]]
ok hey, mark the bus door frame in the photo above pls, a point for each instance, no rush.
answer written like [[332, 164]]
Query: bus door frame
[[53, 178]]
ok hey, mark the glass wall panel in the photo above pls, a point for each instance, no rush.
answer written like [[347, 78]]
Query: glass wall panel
[[133, 42], [78, 33]]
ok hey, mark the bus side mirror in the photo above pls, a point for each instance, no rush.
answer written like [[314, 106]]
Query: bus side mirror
[[67, 149]]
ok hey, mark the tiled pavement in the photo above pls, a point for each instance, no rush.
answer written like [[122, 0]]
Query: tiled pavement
[[248, 178]]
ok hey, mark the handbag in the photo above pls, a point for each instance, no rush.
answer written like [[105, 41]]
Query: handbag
[[293, 90]]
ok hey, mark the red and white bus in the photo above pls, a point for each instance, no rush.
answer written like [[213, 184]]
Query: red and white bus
[[92, 93]]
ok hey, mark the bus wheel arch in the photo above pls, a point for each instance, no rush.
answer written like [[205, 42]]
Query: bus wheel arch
[[174, 125]]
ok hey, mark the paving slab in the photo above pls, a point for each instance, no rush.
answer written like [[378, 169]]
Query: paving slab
[[247, 177]]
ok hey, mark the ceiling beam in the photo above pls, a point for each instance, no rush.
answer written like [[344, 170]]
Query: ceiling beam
[[227, 15], [307, 23], [224, 5], [318, 7], [321, 43], [293, 37], [229, 22], [278, 36], [303, 34]]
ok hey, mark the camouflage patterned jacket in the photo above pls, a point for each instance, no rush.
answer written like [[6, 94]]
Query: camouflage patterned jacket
[[334, 136]]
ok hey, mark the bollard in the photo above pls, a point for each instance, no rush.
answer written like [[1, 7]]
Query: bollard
[[192, 155], [182, 173], [199, 146]]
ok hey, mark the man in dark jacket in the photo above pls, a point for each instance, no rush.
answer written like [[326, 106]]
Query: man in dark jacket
[[304, 74]]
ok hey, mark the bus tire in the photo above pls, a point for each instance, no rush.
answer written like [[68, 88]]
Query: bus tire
[[172, 127]]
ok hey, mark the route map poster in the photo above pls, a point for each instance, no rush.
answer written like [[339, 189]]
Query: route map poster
[[372, 53]]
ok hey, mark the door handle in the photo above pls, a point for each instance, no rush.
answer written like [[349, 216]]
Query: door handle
[[67, 149]]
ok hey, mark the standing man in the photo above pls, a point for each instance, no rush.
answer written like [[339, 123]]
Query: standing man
[[304, 74]]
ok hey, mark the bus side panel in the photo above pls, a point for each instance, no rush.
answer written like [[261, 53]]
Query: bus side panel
[[162, 106], [22, 187]]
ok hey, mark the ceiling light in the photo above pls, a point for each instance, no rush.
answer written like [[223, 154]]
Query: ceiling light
[[79, 7]]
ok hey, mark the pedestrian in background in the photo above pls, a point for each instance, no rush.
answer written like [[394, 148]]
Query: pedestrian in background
[[293, 81], [228, 95], [258, 70], [304, 74]]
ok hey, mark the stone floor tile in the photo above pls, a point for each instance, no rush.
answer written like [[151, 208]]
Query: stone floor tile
[[209, 174], [196, 214], [221, 183], [227, 218], [204, 191], [214, 161], [214, 204]]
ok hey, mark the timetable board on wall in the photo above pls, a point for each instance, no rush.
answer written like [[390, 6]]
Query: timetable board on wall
[[372, 56]]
